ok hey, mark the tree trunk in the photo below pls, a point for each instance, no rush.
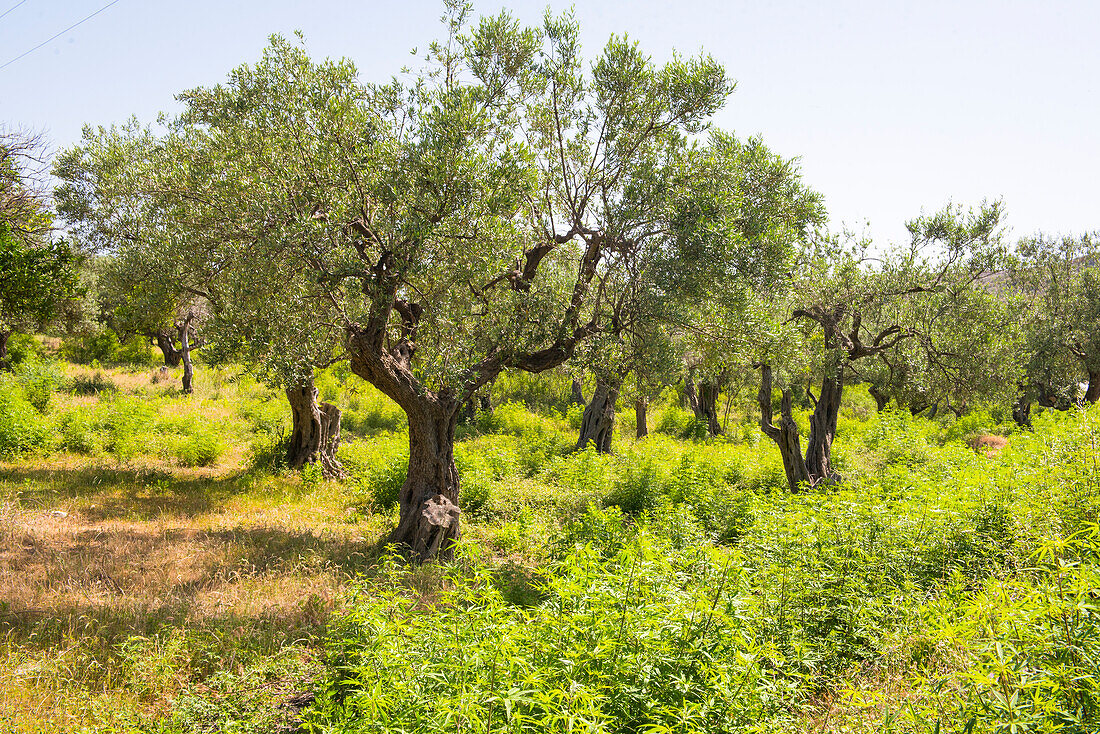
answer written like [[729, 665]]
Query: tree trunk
[[185, 354], [692, 396], [428, 525], [640, 405], [1021, 412], [167, 346], [1092, 394], [316, 433], [576, 396], [598, 421], [4, 335], [707, 406], [785, 434], [819, 446], [485, 401], [881, 398]]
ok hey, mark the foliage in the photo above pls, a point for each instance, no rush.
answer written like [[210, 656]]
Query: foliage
[[1057, 285]]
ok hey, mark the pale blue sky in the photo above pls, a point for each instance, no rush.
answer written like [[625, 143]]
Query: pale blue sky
[[892, 106]]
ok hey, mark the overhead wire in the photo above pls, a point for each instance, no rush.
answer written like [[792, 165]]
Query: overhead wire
[[56, 35], [13, 7]]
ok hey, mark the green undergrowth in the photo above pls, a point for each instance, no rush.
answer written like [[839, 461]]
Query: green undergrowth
[[674, 585]]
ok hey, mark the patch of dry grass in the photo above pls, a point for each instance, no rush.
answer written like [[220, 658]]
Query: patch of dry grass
[[95, 555]]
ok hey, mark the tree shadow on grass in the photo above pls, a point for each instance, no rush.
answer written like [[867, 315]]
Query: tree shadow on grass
[[120, 492], [253, 589]]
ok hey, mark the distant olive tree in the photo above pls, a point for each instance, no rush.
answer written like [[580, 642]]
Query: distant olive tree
[[920, 306], [38, 272], [1056, 283]]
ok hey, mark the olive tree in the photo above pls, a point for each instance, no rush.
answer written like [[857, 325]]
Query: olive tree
[[737, 224], [1056, 283], [475, 217], [847, 306], [38, 273]]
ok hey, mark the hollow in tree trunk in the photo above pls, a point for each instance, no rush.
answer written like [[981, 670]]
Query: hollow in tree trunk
[[707, 410], [167, 346], [598, 421], [315, 436], [576, 396], [640, 405]]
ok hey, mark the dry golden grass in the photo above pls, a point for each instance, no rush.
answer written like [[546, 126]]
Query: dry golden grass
[[95, 553]]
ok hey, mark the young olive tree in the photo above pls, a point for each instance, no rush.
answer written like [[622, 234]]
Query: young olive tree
[[111, 198]]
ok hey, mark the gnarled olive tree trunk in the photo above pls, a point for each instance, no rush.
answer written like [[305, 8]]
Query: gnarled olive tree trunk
[[167, 346], [785, 434], [598, 421], [707, 410], [815, 468], [576, 396], [185, 354], [691, 394], [428, 500], [428, 523], [1092, 394], [881, 397], [315, 436], [819, 446]]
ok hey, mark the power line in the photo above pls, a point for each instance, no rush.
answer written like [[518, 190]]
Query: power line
[[13, 7], [56, 35]]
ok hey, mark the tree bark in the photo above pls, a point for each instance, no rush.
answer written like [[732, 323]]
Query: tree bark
[[881, 398], [692, 395], [4, 335], [1021, 412], [428, 525], [1092, 394], [819, 446], [707, 406], [785, 434], [576, 396], [167, 346], [316, 433], [640, 406], [598, 421], [185, 354]]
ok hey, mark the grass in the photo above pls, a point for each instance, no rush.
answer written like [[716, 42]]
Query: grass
[[159, 573]]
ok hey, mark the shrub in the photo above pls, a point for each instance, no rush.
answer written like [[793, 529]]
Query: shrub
[[96, 383], [22, 428], [135, 351], [99, 347], [39, 380], [617, 634], [202, 448], [23, 348], [379, 465]]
